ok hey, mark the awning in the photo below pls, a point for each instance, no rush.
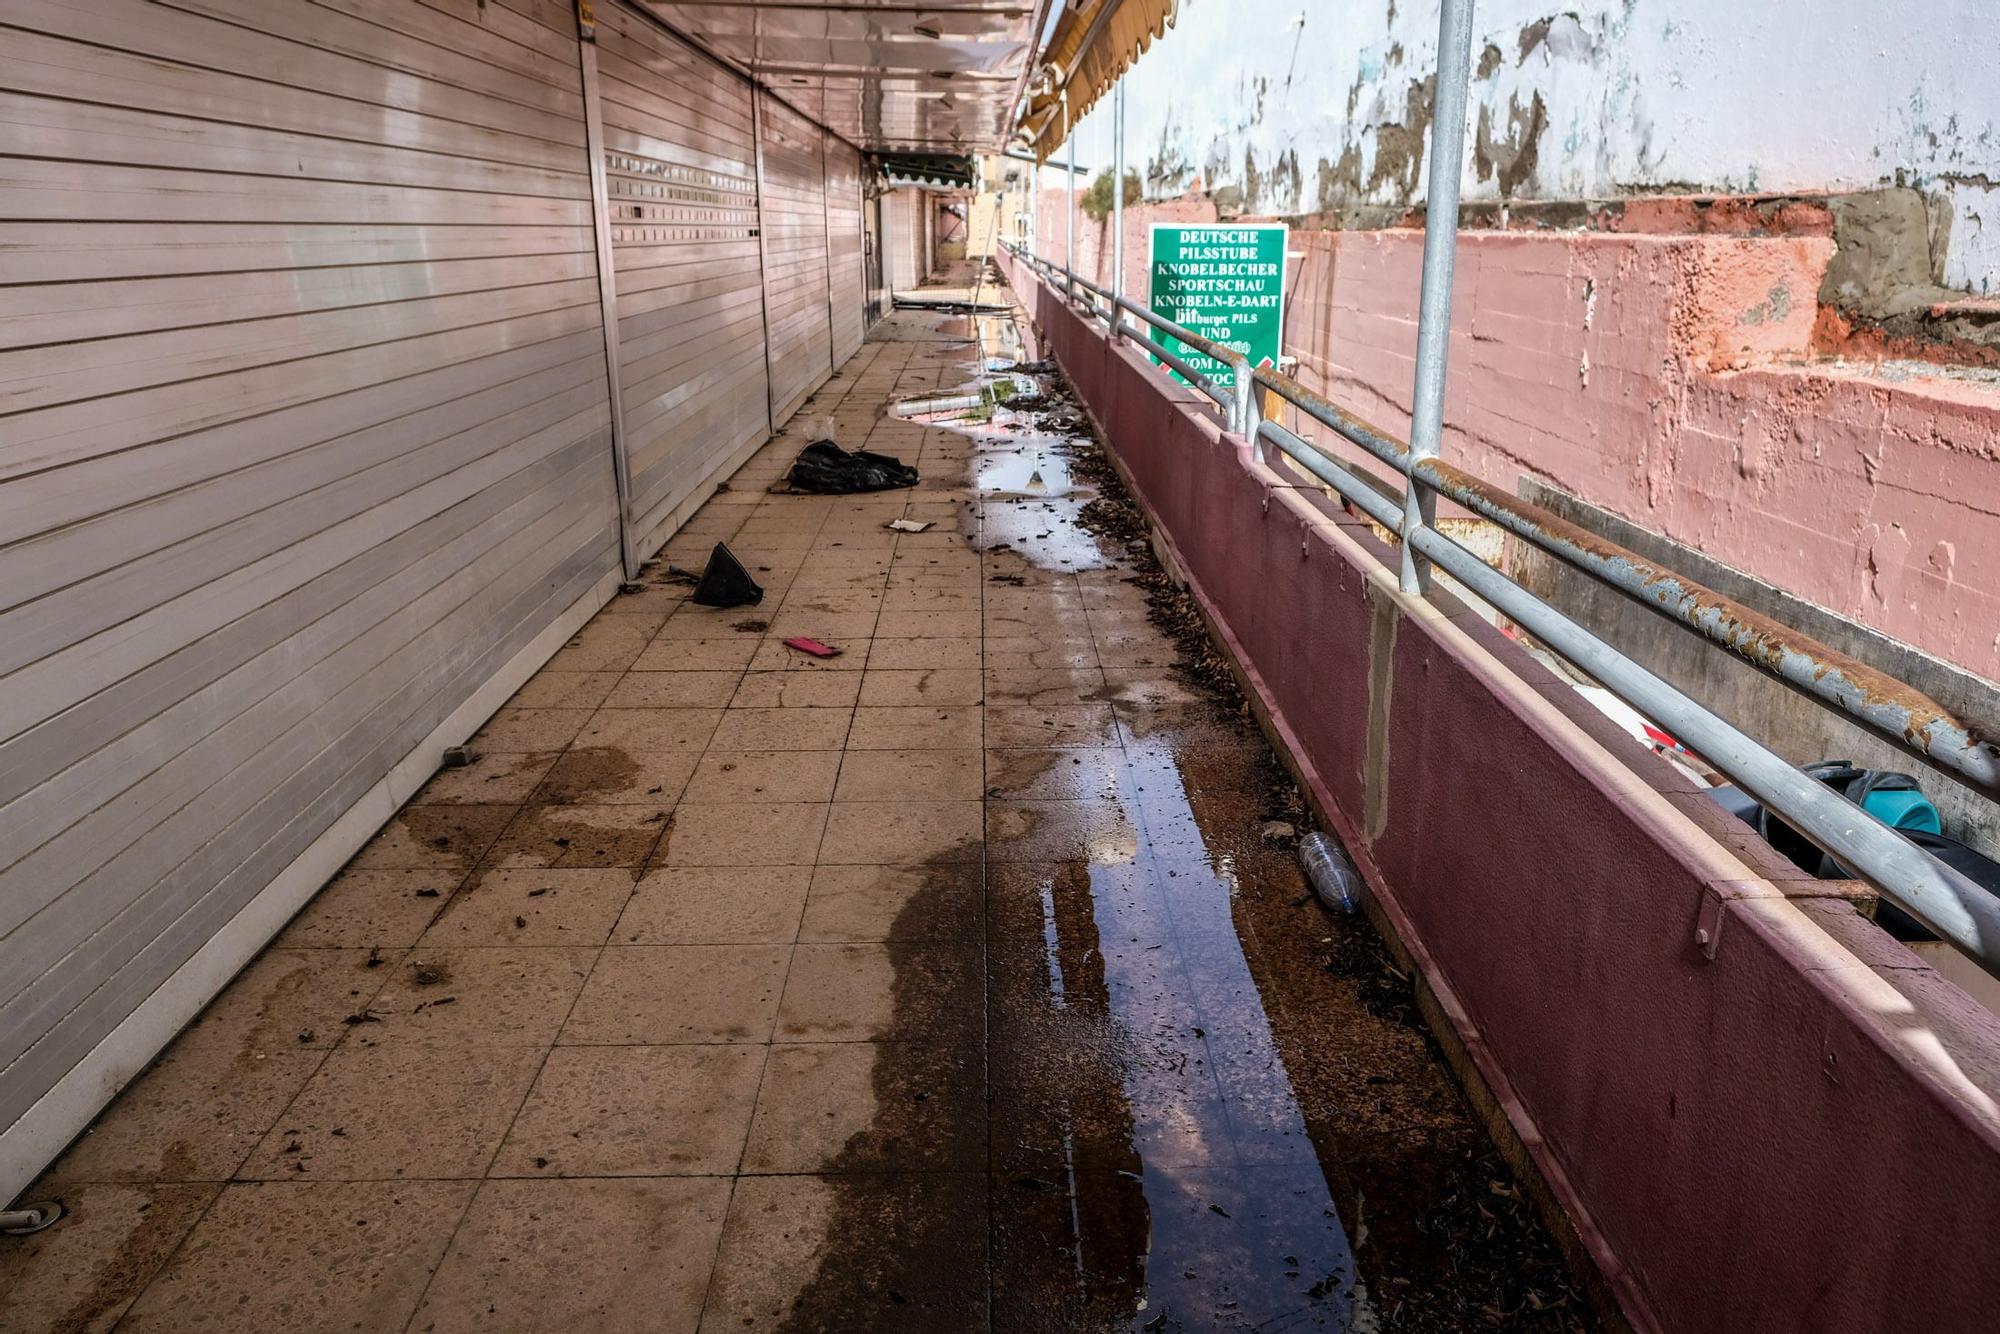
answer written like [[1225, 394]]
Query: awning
[[1091, 48], [948, 171]]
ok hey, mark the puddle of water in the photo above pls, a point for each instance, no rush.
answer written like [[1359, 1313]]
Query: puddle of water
[[1034, 471], [1225, 1216]]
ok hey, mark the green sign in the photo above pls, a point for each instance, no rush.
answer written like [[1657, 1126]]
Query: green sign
[[1226, 283]]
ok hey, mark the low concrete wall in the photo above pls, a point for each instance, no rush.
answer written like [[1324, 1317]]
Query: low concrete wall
[[1801, 1132]]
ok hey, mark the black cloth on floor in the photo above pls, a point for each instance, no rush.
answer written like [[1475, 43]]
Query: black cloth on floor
[[725, 583], [826, 469]]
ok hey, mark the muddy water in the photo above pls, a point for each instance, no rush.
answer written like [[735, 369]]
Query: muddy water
[[1206, 1105]]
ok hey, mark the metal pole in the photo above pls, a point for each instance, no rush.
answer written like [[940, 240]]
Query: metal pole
[[607, 296], [1069, 218], [1454, 73], [1034, 204], [1117, 206]]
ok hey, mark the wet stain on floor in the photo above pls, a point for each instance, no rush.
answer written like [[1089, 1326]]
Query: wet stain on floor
[[1155, 972]]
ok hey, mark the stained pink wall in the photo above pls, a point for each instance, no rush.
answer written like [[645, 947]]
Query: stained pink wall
[[1668, 379], [1798, 1133]]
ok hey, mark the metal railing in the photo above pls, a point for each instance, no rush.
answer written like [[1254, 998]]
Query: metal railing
[[1946, 902]]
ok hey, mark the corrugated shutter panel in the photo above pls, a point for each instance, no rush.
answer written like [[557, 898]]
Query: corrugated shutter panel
[[681, 177], [843, 220], [303, 433], [795, 269]]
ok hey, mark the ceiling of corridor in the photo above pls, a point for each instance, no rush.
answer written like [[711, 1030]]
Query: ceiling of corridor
[[941, 78]]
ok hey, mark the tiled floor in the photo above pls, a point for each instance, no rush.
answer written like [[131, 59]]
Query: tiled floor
[[730, 988]]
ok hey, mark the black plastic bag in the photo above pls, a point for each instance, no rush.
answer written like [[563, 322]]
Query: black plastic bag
[[825, 468], [725, 583]]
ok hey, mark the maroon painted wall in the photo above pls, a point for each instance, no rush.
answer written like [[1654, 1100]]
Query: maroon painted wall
[[1798, 1134]]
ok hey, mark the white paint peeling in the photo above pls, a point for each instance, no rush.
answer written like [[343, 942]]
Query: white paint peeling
[[1634, 96]]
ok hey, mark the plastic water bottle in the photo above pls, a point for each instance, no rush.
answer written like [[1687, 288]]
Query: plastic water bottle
[[1331, 872]]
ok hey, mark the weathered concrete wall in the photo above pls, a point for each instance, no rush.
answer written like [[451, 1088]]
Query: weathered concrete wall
[[1799, 1133], [1667, 379], [1292, 108]]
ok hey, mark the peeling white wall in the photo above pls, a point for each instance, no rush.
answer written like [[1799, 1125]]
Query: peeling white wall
[[1313, 104]]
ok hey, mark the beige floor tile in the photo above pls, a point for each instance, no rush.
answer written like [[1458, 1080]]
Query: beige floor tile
[[932, 597], [80, 1276], [873, 903], [764, 776], [195, 1115], [916, 728], [306, 1257], [611, 1257], [1048, 725], [774, 655], [827, 627], [1048, 622], [1081, 774], [1122, 652], [878, 832], [1023, 654], [414, 1110], [869, 1107], [797, 690], [692, 622], [673, 690], [732, 652], [434, 838], [928, 624], [290, 999], [745, 834], [581, 836], [903, 1252], [908, 991], [716, 905], [940, 685], [1017, 686], [1145, 686], [523, 906], [910, 775], [652, 730], [843, 600], [925, 654], [680, 993], [635, 1111], [534, 730], [389, 909], [1051, 831], [612, 776], [655, 600], [510, 996], [782, 729], [608, 644], [565, 689], [493, 778]]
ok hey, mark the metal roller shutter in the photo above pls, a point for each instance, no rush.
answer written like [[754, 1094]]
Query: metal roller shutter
[[795, 268], [843, 221], [906, 240], [681, 185], [304, 451]]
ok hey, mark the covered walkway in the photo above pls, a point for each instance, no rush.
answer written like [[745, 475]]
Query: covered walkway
[[950, 983]]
